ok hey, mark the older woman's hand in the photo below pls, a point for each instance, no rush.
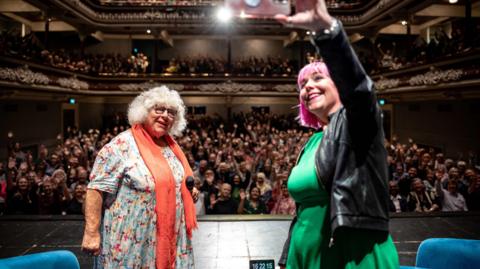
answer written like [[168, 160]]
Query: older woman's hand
[[311, 15], [91, 243]]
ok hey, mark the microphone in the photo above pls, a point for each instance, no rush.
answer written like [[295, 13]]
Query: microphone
[[190, 182]]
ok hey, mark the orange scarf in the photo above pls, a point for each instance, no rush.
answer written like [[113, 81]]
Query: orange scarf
[[165, 195]]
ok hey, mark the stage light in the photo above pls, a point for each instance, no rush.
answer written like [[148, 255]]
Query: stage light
[[404, 23], [243, 15], [149, 31], [224, 14], [452, 1], [71, 101], [381, 102]]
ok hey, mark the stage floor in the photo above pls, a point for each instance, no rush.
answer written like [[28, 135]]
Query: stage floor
[[226, 241]]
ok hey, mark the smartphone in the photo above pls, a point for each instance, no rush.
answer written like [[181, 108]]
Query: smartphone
[[258, 8]]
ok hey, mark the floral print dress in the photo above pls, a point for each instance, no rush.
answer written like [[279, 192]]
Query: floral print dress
[[129, 220]]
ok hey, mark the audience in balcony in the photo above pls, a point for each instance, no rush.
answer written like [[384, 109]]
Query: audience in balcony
[[246, 66], [383, 58]]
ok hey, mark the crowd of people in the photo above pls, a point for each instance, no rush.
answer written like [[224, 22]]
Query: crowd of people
[[441, 46], [424, 180], [384, 57], [99, 64], [240, 167], [247, 66], [31, 49]]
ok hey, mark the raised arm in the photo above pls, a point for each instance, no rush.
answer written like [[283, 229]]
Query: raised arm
[[353, 84]]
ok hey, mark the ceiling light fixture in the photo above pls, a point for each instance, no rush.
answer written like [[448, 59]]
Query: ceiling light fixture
[[404, 23], [149, 31], [452, 1], [224, 14]]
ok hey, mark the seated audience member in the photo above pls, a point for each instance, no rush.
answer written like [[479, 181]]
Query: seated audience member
[[75, 206], [468, 179], [209, 185], [237, 188], [244, 173], [50, 202], [224, 174], [451, 199], [200, 171], [251, 204], [82, 178], [421, 200], [399, 172], [397, 203], [58, 177], [473, 196], [22, 198], [440, 174], [264, 187], [405, 183], [452, 174], [429, 180], [285, 204], [200, 203], [3, 189], [224, 204]]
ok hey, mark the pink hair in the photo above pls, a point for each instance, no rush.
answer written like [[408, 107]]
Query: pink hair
[[307, 118]]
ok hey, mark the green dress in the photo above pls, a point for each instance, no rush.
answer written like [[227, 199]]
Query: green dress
[[310, 237]]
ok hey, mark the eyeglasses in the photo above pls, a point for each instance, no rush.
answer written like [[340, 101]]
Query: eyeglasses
[[159, 110]]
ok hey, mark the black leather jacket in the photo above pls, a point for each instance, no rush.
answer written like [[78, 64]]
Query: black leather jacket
[[351, 161]]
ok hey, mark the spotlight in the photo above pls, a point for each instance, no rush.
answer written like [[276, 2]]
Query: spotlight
[[243, 15], [452, 1], [308, 32], [404, 23], [149, 31], [382, 102], [71, 101], [224, 14]]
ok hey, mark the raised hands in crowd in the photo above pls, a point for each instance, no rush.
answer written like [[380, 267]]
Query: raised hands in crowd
[[231, 161]]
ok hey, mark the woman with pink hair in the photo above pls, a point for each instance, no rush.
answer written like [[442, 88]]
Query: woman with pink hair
[[340, 179]]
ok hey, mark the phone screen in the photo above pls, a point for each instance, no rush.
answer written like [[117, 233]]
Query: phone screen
[[258, 8]]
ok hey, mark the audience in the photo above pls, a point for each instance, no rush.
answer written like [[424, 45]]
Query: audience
[[421, 200], [247, 66], [382, 58], [238, 168]]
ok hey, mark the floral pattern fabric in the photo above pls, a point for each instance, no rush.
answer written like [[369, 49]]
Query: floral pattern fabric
[[129, 221]]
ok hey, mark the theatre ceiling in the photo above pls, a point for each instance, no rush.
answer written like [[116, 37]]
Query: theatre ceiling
[[165, 18]]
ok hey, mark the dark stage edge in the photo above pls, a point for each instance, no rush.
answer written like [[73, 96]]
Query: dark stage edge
[[227, 241]]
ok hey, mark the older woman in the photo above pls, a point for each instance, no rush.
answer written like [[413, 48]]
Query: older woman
[[340, 179], [138, 186]]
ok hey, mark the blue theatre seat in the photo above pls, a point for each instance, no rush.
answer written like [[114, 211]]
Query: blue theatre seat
[[448, 253], [60, 259]]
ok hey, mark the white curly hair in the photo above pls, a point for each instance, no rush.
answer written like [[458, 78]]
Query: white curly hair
[[140, 106]]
